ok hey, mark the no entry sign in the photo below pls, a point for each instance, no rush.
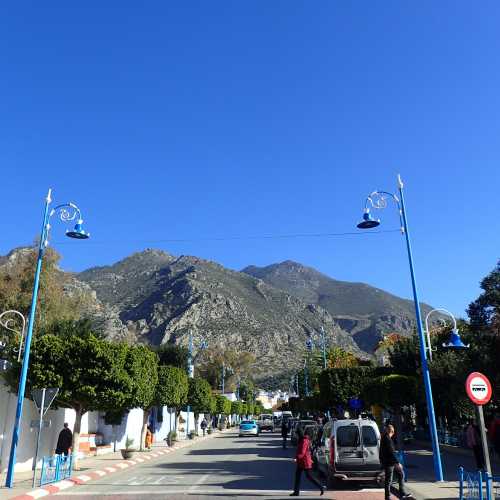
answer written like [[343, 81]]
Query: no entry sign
[[478, 388]]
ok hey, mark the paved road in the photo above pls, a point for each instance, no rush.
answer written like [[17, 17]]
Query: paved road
[[223, 467]]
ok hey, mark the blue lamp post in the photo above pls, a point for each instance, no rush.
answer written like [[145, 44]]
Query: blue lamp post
[[309, 347], [378, 200], [67, 212], [323, 347]]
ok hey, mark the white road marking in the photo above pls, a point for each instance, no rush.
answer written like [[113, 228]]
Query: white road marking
[[201, 480]]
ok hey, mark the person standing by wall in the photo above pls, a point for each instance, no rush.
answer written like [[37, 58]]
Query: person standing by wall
[[64, 441], [391, 464]]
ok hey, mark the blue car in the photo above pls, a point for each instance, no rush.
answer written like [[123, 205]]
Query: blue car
[[249, 428]]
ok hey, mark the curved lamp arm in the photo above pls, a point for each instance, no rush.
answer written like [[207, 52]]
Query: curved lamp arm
[[427, 329], [9, 324], [67, 212], [378, 200]]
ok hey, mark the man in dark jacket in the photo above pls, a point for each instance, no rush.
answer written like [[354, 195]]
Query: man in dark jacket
[[64, 441], [391, 464]]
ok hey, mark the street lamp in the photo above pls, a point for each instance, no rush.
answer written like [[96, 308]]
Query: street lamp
[[8, 321], [67, 212], [379, 200], [309, 347], [454, 342], [323, 346]]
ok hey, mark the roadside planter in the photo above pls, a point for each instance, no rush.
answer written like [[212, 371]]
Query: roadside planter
[[128, 451]]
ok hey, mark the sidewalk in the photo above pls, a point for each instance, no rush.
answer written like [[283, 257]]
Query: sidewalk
[[90, 468], [420, 470]]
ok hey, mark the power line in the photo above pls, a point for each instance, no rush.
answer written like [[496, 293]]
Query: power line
[[236, 238]]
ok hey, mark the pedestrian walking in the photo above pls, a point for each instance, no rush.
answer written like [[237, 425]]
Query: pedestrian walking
[[304, 463], [64, 441], [285, 430], [391, 464], [474, 443], [494, 434], [204, 425]]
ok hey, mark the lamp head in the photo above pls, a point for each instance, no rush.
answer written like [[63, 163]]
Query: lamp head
[[368, 221], [78, 232], [455, 342]]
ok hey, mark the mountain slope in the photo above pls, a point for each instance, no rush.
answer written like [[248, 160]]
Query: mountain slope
[[365, 311], [161, 298]]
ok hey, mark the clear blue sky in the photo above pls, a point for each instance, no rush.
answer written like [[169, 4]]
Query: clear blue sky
[[195, 120]]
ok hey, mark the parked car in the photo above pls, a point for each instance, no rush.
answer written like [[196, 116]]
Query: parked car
[[349, 451], [248, 428], [265, 422], [300, 423]]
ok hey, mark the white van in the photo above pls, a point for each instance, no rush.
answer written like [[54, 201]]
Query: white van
[[350, 450]]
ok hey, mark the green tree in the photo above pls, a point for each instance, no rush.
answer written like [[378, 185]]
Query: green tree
[[393, 392], [173, 355], [484, 312], [54, 303], [243, 410], [339, 358], [142, 366], [90, 373], [221, 405], [199, 396], [258, 408], [236, 408], [247, 390], [172, 388]]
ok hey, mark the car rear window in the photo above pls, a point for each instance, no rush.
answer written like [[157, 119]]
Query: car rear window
[[369, 436], [246, 422], [348, 436]]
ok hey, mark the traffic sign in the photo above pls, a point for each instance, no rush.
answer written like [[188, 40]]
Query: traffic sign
[[356, 403], [44, 397], [478, 388], [34, 424]]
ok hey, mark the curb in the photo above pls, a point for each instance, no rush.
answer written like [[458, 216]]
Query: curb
[[51, 489]]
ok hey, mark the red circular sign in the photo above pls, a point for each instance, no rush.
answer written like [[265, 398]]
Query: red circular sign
[[478, 388]]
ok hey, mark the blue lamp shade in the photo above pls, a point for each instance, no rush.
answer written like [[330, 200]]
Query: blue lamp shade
[[368, 221], [455, 342], [78, 233]]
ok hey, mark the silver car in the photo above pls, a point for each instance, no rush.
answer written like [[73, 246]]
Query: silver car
[[350, 451]]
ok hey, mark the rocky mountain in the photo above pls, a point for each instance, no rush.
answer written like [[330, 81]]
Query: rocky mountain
[[160, 298], [364, 311]]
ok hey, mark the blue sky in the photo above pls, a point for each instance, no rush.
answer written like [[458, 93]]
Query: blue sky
[[199, 120]]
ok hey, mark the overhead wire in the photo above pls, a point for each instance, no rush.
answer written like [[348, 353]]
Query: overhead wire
[[236, 237]]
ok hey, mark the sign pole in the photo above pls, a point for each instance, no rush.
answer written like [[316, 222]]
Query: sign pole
[[484, 441], [38, 437]]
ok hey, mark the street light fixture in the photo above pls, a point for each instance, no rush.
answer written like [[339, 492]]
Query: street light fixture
[[8, 321], [67, 212], [379, 200], [454, 342]]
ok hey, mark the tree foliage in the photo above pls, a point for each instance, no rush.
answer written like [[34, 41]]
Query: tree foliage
[[339, 358], [173, 355], [199, 395], [142, 366], [484, 312], [54, 304], [172, 388], [223, 405]]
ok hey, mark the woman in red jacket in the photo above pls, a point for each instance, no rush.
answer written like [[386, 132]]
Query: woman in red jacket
[[304, 463]]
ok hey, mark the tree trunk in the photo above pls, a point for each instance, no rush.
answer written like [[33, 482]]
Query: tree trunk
[[76, 436], [196, 415], [145, 419]]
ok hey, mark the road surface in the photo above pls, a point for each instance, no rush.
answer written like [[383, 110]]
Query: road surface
[[225, 466]]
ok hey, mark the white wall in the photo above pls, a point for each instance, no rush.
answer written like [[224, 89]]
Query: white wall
[[27, 437]]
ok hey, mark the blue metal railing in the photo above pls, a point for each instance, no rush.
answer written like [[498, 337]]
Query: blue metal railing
[[56, 468], [478, 485]]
